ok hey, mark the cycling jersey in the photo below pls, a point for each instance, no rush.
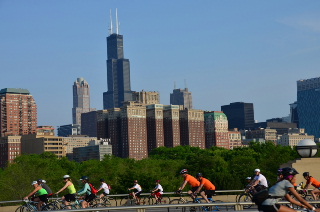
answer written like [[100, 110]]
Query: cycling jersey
[[191, 180], [314, 182], [159, 188], [207, 184], [105, 188], [42, 191], [262, 180], [138, 187], [71, 189], [85, 189]]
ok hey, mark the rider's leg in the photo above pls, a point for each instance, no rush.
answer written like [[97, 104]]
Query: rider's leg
[[204, 196]]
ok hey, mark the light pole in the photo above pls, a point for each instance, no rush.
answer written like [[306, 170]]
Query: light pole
[[307, 148]]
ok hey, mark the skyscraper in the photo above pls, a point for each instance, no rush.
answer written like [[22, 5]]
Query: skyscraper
[[18, 112], [240, 115], [118, 73], [308, 105], [81, 100], [181, 97]]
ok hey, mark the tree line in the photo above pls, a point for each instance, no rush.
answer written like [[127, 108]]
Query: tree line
[[227, 169]]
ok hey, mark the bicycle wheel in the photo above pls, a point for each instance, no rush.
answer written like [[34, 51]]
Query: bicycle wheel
[[176, 202], [219, 207], [245, 198], [147, 201], [126, 202], [25, 209], [49, 207], [164, 200]]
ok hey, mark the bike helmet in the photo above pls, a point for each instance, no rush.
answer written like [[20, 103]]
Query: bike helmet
[[34, 182], [40, 181], [102, 180], [84, 178], [289, 171], [248, 178], [279, 172], [157, 181], [66, 176], [199, 175], [306, 174], [184, 171]]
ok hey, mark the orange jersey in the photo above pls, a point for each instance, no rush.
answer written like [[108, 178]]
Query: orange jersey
[[207, 184], [314, 182], [191, 180]]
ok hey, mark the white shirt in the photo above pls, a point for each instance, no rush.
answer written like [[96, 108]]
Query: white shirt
[[138, 187], [262, 180], [105, 188], [159, 187]]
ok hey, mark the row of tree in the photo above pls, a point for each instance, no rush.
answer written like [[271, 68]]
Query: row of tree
[[227, 169]]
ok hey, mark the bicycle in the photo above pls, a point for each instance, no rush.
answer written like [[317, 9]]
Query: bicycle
[[208, 208], [151, 200], [246, 196], [129, 200], [30, 206], [181, 200], [102, 202]]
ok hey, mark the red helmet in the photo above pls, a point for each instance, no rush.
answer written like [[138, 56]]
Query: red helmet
[[157, 181], [184, 171]]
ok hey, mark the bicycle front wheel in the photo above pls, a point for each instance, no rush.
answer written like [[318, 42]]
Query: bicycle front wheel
[[176, 202], [164, 200], [245, 198]]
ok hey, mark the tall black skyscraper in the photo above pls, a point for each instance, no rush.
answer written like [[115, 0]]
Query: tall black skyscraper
[[118, 73], [240, 115]]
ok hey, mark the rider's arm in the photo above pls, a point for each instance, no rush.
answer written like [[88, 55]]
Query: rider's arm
[[64, 187], [198, 189], [84, 189], [299, 198], [183, 185], [33, 192]]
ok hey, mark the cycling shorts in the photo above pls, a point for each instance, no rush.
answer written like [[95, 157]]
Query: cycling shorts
[[209, 193], [105, 194], [193, 189], [138, 193], [89, 198], [44, 198], [70, 197], [269, 208], [157, 194]]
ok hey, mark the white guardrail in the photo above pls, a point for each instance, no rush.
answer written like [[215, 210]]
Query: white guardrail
[[228, 206]]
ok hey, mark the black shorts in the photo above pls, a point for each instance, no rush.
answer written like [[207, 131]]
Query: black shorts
[[209, 193], [138, 193], [89, 198], [193, 189], [105, 194], [43, 198], [269, 208], [70, 197]]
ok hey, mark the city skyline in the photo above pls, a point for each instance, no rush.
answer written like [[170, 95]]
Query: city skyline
[[226, 51]]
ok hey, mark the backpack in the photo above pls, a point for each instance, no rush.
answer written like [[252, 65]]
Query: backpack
[[93, 189], [259, 197]]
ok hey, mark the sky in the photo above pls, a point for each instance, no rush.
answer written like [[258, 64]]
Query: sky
[[222, 51]]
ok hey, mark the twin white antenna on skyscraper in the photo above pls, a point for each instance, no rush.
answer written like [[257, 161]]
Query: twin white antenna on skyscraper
[[117, 23]]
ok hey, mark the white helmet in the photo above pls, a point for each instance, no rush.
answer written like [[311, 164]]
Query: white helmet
[[66, 176], [34, 182], [248, 178]]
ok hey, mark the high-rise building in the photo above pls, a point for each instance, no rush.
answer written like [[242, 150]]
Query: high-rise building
[[192, 128], [118, 73], [10, 148], [69, 129], [181, 97], [18, 112], [216, 129], [146, 97], [89, 123], [308, 105], [81, 100], [171, 125], [240, 115], [155, 133]]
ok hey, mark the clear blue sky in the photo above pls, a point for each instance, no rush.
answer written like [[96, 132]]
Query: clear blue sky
[[227, 51]]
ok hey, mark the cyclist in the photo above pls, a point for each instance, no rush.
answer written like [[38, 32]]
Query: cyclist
[[71, 196], [287, 176], [259, 181], [44, 185], [136, 195], [312, 181], [191, 181], [157, 191], [88, 197], [42, 197], [209, 188], [105, 188]]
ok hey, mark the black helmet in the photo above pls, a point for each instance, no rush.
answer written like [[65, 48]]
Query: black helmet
[[305, 174], [289, 171], [102, 180], [199, 175], [84, 178], [279, 172], [184, 171]]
